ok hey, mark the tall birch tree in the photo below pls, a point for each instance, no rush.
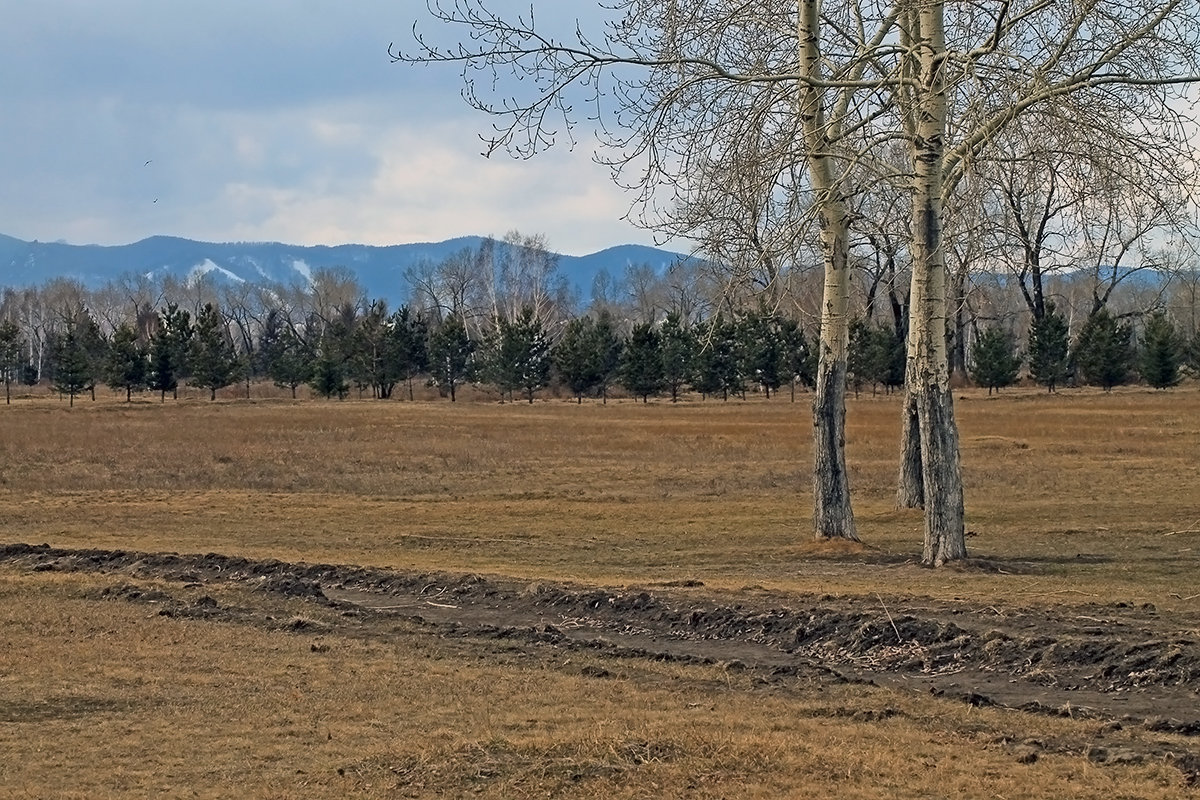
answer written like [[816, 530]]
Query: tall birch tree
[[824, 90]]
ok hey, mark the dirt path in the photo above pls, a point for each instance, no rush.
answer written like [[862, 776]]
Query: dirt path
[[1111, 662]]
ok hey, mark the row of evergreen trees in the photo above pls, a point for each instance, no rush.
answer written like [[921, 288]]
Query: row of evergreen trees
[[1106, 353], [376, 351]]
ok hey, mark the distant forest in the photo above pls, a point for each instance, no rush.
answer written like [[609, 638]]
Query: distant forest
[[511, 323]]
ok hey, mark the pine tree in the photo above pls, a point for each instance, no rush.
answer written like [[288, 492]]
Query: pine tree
[[369, 360], [677, 346], [874, 356], [1162, 352], [328, 374], [12, 345], [285, 358], [801, 357], [74, 370], [764, 349], [92, 340], [336, 351], [450, 354], [1103, 350], [574, 358], [642, 362], [607, 351], [720, 365], [1049, 348], [994, 359], [408, 345], [126, 366], [1192, 354], [214, 364], [518, 354], [170, 348], [162, 366]]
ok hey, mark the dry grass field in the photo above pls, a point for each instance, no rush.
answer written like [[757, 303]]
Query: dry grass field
[[1072, 499]]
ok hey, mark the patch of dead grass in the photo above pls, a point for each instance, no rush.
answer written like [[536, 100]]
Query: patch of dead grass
[[107, 699], [1069, 496]]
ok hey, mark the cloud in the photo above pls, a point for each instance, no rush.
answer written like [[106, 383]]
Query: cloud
[[264, 121], [430, 184]]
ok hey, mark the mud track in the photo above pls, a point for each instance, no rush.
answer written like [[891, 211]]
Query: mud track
[[1129, 665]]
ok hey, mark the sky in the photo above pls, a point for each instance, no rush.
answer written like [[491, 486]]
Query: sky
[[265, 120]]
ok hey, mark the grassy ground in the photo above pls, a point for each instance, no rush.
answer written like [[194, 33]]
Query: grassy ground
[[108, 699], [1071, 498]]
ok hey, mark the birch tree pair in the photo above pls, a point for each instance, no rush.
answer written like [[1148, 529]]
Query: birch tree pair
[[778, 113]]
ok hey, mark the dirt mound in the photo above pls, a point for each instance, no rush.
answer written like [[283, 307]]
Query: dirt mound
[[1112, 661]]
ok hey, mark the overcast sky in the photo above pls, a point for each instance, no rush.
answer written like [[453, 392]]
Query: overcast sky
[[263, 120]]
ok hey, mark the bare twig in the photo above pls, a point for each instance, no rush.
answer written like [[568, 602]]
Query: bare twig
[[1191, 528], [899, 638]]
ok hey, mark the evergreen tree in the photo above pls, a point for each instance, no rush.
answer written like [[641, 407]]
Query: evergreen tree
[[801, 358], [286, 359], [126, 366], [450, 354], [74, 369], [214, 364], [875, 357], [12, 346], [92, 340], [1162, 352], [336, 353], [518, 354], [994, 359], [720, 365], [574, 358], [642, 362], [764, 350], [162, 377], [369, 359], [170, 348], [677, 345], [408, 345], [328, 373], [1049, 348], [607, 351], [1103, 350]]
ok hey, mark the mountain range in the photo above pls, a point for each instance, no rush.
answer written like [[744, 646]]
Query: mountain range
[[380, 270]]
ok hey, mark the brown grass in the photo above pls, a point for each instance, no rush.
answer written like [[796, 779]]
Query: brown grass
[[109, 699], [1069, 497]]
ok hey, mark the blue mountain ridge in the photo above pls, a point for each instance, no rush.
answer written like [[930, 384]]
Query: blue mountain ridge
[[379, 269]]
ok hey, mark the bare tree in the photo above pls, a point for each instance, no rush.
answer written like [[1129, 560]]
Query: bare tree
[[668, 81]]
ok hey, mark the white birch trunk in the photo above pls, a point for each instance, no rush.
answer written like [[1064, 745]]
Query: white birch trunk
[[832, 513], [941, 469]]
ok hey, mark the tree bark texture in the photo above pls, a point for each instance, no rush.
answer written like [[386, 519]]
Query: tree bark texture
[[941, 470], [910, 485], [833, 517]]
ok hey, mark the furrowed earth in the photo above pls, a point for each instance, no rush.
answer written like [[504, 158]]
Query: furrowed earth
[[1116, 664]]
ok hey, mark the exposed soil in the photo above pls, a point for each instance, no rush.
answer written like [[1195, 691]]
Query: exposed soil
[[1122, 664]]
